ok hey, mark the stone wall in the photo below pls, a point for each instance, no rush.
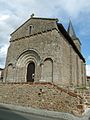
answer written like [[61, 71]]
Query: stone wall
[[1, 74], [54, 57], [88, 81], [47, 45], [85, 93], [41, 95], [38, 26]]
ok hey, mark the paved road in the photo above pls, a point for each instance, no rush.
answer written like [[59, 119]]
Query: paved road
[[6, 114]]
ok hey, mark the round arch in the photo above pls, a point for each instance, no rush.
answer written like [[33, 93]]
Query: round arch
[[48, 70], [27, 62], [27, 56]]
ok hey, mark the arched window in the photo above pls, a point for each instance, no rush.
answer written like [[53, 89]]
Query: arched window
[[48, 70], [10, 72]]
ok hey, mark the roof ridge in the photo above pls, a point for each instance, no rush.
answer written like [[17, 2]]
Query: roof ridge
[[56, 19], [43, 18]]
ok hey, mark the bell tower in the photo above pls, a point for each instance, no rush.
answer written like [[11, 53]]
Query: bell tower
[[72, 34]]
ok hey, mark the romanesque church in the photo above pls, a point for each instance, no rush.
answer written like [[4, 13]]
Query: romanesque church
[[42, 50]]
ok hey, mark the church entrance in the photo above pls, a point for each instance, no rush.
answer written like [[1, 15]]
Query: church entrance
[[30, 72]]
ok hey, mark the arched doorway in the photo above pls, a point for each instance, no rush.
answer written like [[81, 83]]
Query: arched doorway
[[30, 72]]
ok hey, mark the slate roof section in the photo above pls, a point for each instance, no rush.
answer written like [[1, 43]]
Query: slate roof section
[[68, 38], [71, 31], [41, 25], [88, 77], [1, 69]]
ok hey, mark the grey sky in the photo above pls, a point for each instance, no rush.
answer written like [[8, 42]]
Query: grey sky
[[14, 12]]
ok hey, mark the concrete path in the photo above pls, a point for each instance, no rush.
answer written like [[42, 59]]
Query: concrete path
[[48, 115], [6, 114]]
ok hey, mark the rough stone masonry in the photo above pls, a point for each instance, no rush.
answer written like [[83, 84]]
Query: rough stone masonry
[[41, 96], [42, 50]]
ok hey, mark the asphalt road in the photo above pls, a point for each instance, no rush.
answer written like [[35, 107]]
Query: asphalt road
[[6, 114]]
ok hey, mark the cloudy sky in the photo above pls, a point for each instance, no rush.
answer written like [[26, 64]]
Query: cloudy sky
[[14, 12]]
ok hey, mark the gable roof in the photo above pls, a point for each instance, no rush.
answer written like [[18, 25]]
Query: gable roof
[[34, 26], [45, 24], [35, 18]]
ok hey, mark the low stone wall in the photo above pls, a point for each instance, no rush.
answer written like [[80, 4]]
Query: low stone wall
[[41, 95], [86, 96]]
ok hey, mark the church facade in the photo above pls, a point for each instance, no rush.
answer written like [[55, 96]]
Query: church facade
[[42, 50]]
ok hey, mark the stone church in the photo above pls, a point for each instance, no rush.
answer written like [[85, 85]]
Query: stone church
[[42, 50]]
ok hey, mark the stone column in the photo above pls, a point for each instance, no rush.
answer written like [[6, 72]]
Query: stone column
[[71, 82], [84, 72], [42, 65], [77, 70]]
